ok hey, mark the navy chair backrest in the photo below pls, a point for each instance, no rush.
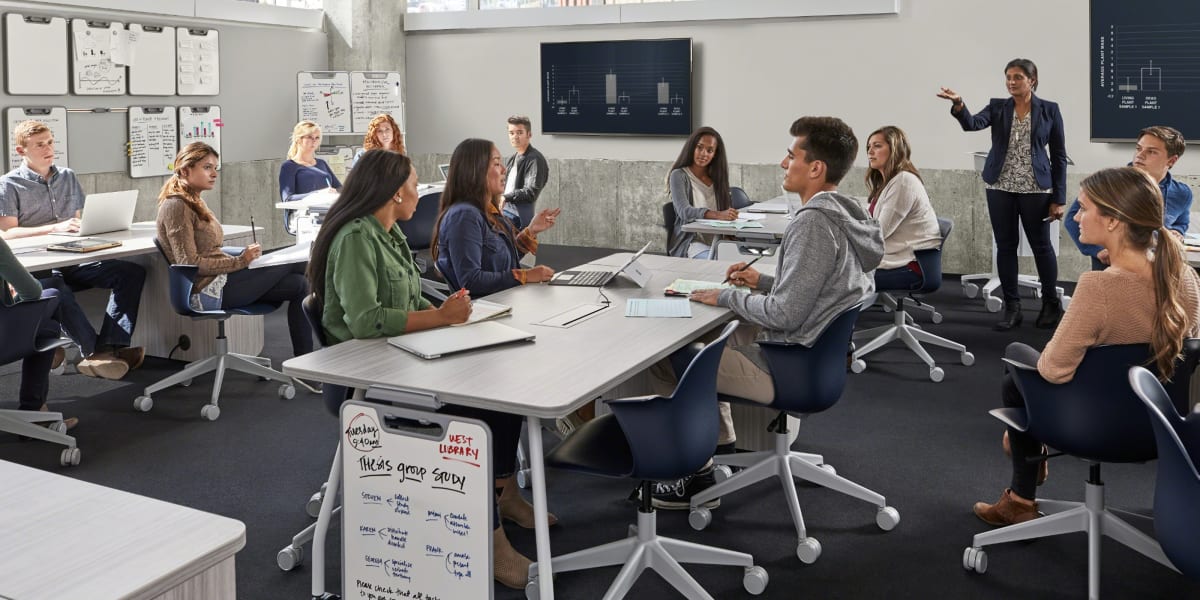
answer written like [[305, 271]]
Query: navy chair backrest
[[1095, 416], [672, 437], [1177, 491], [930, 260], [738, 198], [809, 380], [669, 222], [419, 229], [312, 312], [18, 328]]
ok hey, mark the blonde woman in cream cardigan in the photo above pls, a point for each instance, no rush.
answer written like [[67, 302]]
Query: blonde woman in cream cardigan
[[899, 202]]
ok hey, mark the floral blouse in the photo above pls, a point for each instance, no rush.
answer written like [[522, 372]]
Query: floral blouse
[[1016, 176]]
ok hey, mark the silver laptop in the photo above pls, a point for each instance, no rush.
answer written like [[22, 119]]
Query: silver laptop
[[445, 170], [449, 340], [107, 212], [589, 278]]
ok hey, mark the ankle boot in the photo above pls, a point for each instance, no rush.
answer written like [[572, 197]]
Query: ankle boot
[[509, 567], [1012, 316], [1010, 509], [1052, 312], [515, 508]]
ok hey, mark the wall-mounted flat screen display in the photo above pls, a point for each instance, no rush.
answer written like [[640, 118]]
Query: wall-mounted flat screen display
[[627, 87]]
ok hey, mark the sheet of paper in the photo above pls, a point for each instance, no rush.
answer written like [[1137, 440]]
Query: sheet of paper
[[739, 224], [683, 287], [657, 307], [750, 216], [286, 256], [482, 310]]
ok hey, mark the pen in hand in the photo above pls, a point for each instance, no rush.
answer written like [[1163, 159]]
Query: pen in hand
[[756, 259], [253, 231]]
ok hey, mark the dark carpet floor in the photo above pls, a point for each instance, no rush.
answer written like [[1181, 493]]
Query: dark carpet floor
[[930, 448]]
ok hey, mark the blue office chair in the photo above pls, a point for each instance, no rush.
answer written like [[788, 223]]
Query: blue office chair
[[181, 279], [652, 438], [19, 328], [738, 198], [807, 381], [1177, 492], [668, 211], [1095, 417], [419, 232], [902, 327]]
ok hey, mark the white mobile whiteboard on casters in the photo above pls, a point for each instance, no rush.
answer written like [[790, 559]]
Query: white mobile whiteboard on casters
[[35, 55], [416, 504], [338, 158], [373, 93], [152, 140], [55, 117], [324, 98], [152, 60], [199, 62], [201, 124], [94, 72]]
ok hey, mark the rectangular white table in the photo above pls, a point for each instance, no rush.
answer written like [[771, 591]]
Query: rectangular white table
[[559, 372], [68, 539], [768, 235]]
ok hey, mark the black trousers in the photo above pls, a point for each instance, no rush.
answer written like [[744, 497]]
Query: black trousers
[[1009, 211], [1024, 446]]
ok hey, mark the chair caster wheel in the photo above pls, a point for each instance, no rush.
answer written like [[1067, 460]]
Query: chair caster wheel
[[289, 558], [755, 580], [58, 427], [721, 473], [210, 411], [143, 403], [313, 506], [808, 550], [975, 559], [936, 318], [531, 590], [967, 359], [287, 391], [185, 383], [70, 457], [858, 365], [700, 518], [887, 518], [828, 468], [970, 290], [936, 374], [993, 304], [523, 478]]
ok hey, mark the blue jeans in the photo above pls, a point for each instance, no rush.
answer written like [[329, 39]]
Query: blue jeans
[[900, 279], [1009, 211], [125, 279], [35, 368]]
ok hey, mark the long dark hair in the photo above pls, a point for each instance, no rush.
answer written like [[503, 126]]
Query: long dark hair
[[372, 183], [718, 167], [467, 183]]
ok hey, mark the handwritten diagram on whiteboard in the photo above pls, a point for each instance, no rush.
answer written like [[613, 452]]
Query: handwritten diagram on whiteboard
[[54, 117], [201, 124], [324, 97], [98, 68], [416, 506], [373, 93], [152, 140]]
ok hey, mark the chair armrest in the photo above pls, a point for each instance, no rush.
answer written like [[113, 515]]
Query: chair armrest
[[631, 399], [1019, 365], [1014, 417]]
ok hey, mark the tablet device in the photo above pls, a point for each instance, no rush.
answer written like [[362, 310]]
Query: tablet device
[[84, 245]]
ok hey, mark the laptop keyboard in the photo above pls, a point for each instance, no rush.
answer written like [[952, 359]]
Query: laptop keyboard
[[589, 278]]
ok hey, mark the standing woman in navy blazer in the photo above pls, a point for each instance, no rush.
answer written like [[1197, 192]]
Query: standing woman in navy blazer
[[1025, 184]]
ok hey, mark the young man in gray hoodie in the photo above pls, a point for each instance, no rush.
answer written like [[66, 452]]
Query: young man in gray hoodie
[[825, 265]]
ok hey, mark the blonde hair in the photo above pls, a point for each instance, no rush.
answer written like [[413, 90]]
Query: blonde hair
[[301, 129], [177, 185], [899, 159], [27, 129], [371, 143], [1133, 198]]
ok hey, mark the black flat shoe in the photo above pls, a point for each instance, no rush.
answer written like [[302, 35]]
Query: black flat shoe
[[1012, 317], [1051, 314]]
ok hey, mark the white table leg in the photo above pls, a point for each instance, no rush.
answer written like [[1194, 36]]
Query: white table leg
[[332, 489], [541, 527]]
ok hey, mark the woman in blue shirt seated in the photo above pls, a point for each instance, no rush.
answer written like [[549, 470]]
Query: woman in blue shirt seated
[[475, 246], [303, 174], [363, 274]]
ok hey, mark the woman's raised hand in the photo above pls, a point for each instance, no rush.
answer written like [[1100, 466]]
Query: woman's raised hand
[[544, 220]]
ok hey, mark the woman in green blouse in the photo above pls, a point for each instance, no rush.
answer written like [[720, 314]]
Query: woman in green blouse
[[363, 273]]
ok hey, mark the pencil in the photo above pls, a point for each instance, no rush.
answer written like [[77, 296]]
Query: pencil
[[756, 259], [253, 233]]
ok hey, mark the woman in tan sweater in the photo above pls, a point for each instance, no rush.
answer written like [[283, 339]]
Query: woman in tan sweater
[[897, 199], [1148, 294], [191, 235]]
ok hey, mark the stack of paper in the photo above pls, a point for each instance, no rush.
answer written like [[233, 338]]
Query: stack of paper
[[683, 287], [656, 307], [482, 310], [739, 224]]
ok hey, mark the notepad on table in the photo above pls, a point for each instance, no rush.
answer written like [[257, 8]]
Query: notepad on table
[[657, 307], [765, 208], [683, 287], [482, 310], [730, 224]]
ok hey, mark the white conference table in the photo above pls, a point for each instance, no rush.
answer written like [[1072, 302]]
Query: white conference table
[[559, 372], [158, 326], [771, 232], [69, 539]]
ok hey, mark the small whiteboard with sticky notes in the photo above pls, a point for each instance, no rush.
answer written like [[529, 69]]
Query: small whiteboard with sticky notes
[[338, 158], [153, 140], [96, 46], [201, 124], [55, 117], [373, 93], [198, 52], [417, 498], [323, 97]]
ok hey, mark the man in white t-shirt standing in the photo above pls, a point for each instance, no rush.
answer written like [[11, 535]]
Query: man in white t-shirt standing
[[527, 172]]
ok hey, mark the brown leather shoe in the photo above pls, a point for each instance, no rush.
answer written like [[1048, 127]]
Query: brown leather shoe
[[133, 356], [515, 508], [1043, 467], [103, 364], [1010, 509], [70, 422], [509, 567], [60, 355]]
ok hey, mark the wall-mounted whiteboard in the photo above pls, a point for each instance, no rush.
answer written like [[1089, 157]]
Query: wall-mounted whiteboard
[[94, 46], [55, 117], [152, 65], [416, 505], [373, 93], [201, 124], [199, 55], [324, 98], [152, 140], [35, 55], [338, 158]]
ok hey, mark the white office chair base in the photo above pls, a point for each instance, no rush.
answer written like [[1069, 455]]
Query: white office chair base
[[26, 423], [1090, 517], [218, 363], [992, 281], [646, 550], [786, 465], [912, 336]]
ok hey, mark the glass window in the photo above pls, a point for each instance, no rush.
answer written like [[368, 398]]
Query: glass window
[[488, 4], [427, 6]]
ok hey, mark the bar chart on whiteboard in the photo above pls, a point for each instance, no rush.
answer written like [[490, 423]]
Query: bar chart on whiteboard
[[201, 124]]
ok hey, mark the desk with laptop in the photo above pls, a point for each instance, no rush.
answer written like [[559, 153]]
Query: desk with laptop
[[576, 360]]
